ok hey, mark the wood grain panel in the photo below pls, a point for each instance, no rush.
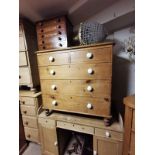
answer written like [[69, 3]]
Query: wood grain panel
[[79, 71], [100, 107], [100, 88], [59, 58]]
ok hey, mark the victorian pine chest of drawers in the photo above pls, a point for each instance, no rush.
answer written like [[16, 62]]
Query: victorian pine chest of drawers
[[54, 33], [28, 72], [29, 104], [77, 79]]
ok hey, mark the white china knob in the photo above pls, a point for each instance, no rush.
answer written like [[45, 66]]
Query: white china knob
[[51, 59], [54, 87], [89, 106], [107, 134], [95, 152], [89, 55], [56, 143], [90, 88], [90, 71], [54, 102], [52, 72]]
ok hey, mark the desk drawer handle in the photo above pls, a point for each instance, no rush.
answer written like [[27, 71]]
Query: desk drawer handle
[[51, 59], [90, 71], [52, 72], [90, 88], [26, 123], [89, 55], [54, 102], [29, 136], [54, 87], [89, 106], [107, 134], [25, 112]]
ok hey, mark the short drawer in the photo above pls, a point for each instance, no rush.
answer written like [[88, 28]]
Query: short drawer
[[27, 100], [75, 127], [22, 59], [21, 43], [47, 123], [108, 134], [28, 110], [29, 121], [91, 88], [24, 76], [53, 59], [77, 104], [56, 44], [102, 54], [79, 71], [31, 134]]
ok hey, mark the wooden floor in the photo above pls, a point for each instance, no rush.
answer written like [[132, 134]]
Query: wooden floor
[[32, 149]]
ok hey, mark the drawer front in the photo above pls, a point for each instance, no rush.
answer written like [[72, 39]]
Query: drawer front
[[103, 54], [52, 22], [52, 29], [28, 110], [22, 43], [75, 127], [53, 59], [22, 59], [24, 75], [109, 134], [27, 101], [52, 40], [91, 88], [31, 134], [29, 121], [53, 45], [96, 71], [75, 104], [47, 123]]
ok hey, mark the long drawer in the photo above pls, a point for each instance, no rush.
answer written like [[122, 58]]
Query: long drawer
[[31, 134], [103, 54], [24, 76], [79, 71], [75, 127], [75, 104], [29, 121], [91, 88], [28, 110]]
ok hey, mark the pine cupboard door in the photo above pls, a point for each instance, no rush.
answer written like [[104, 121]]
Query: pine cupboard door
[[48, 137], [105, 146]]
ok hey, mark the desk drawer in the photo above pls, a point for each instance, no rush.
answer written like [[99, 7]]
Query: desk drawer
[[91, 88], [28, 110], [22, 59], [31, 134], [27, 101], [47, 59], [75, 104], [75, 127], [85, 71], [24, 76], [108, 134], [29, 121]]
